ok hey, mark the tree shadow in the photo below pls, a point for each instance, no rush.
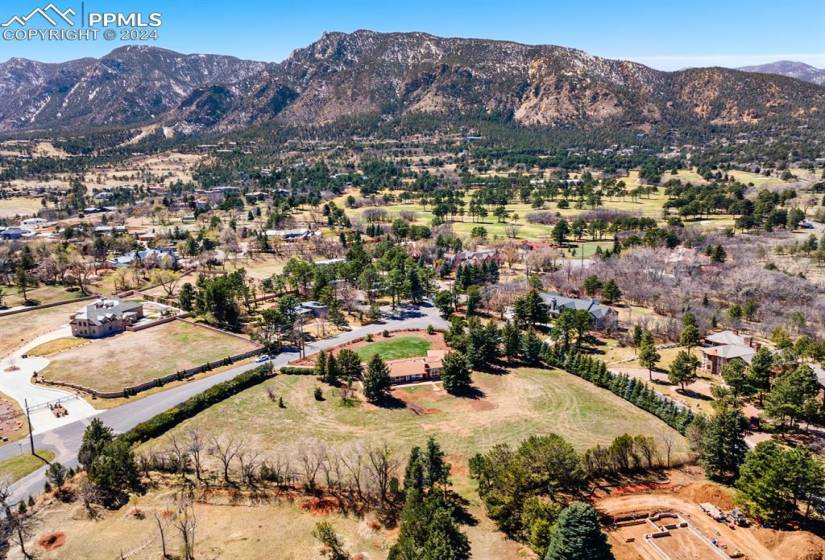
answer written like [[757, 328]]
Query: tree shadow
[[390, 402], [470, 392], [498, 368], [694, 395], [461, 511]]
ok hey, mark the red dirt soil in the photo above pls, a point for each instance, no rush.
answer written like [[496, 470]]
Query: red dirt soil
[[686, 489], [320, 506], [51, 541]]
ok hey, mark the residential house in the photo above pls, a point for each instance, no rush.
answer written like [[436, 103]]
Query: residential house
[[13, 233], [723, 347], [315, 309], [413, 370], [162, 257], [290, 235], [479, 256], [604, 317], [105, 317]]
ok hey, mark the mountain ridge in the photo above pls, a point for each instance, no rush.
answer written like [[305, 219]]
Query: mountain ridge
[[790, 69], [386, 75]]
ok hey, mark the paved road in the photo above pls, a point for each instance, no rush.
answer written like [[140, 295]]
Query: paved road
[[65, 440]]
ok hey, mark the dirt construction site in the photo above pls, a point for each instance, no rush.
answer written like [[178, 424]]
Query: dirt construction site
[[675, 524]]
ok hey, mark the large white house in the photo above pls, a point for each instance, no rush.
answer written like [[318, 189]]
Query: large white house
[[105, 317]]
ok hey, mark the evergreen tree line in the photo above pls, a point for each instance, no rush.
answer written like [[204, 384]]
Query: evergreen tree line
[[630, 389]]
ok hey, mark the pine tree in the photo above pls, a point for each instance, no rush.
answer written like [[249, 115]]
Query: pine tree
[[690, 336], [531, 347], [437, 470], [577, 536], [611, 292], [723, 446], [455, 372], [331, 372], [648, 356], [511, 337], [377, 379], [683, 369], [414, 474], [95, 438], [321, 365], [428, 531]]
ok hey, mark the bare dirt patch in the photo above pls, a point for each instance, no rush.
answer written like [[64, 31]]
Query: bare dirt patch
[[688, 490], [52, 541]]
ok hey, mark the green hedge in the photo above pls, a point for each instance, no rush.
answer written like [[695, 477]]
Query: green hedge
[[290, 370], [165, 421]]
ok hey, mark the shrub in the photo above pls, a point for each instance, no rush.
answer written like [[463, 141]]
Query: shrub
[[368, 338], [386, 333], [293, 370], [163, 422]]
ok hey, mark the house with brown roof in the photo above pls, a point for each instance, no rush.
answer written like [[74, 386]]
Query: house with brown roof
[[723, 347], [414, 370]]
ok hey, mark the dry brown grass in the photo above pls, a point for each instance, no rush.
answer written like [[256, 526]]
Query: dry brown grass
[[131, 358], [16, 330]]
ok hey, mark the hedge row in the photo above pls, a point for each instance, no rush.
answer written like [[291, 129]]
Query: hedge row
[[292, 370], [165, 421], [630, 389]]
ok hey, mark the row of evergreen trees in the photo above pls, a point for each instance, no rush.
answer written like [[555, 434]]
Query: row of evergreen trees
[[629, 388], [476, 274]]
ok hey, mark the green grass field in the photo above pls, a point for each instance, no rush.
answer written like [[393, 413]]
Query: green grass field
[[509, 409], [395, 348], [17, 467]]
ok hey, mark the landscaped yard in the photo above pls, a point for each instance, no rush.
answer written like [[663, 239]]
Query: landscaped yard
[[130, 358], [17, 467], [396, 348], [57, 345]]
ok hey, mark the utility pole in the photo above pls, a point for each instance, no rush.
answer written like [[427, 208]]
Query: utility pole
[[29, 420]]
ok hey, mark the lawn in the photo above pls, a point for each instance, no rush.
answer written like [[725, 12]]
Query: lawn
[[395, 348], [57, 345], [130, 358], [509, 409], [17, 329], [17, 467], [19, 206], [650, 206], [40, 296]]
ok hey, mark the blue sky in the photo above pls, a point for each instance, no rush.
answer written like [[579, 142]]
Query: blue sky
[[665, 34]]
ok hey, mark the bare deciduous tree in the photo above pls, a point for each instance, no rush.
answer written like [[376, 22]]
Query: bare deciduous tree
[[225, 451]]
